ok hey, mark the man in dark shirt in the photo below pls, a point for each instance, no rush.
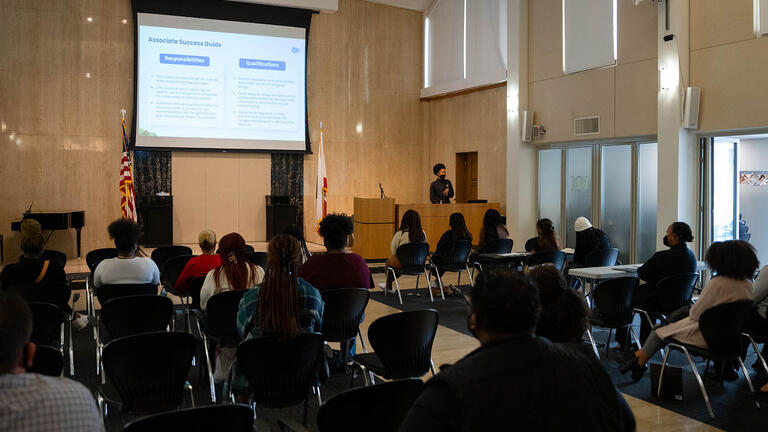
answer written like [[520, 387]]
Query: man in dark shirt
[[588, 239], [516, 381], [441, 190]]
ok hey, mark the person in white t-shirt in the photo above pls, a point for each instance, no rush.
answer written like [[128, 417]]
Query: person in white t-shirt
[[127, 268], [235, 272], [410, 232]]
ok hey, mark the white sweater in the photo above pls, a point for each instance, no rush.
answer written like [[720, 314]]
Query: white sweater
[[209, 285], [401, 238], [136, 270]]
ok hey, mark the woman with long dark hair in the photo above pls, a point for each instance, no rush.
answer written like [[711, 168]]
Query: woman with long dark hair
[[493, 228], [410, 231], [235, 272], [546, 240], [458, 231]]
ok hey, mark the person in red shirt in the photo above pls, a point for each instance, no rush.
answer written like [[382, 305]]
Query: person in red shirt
[[339, 267], [199, 266]]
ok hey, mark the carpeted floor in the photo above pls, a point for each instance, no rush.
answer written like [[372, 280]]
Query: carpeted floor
[[731, 402]]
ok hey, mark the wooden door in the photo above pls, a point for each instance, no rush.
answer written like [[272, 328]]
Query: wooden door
[[466, 177]]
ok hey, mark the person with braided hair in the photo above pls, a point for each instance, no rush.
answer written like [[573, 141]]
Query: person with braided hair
[[234, 273], [284, 305]]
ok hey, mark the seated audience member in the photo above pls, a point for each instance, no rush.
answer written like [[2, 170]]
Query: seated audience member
[[200, 265], [32, 269], [126, 268], [546, 240], [676, 260], [563, 316], [445, 245], [284, 305], [33, 402], [339, 267], [756, 321], [410, 231], [235, 272], [294, 231], [733, 263], [493, 229], [588, 239], [515, 378]]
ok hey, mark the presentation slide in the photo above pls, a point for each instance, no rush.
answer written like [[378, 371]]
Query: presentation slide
[[211, 84]]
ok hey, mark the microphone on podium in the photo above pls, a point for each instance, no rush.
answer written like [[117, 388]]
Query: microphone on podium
[[382, 191]]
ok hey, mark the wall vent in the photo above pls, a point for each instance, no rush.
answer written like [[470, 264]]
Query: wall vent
[[586, 125]]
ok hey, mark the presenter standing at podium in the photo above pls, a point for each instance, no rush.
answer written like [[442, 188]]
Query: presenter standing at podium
[[441, 190]]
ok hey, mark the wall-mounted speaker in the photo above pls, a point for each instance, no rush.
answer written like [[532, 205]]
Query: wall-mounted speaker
[[527, 126], [691, 108]]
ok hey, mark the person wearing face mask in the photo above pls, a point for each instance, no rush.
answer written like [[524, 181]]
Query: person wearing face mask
[[441, 190], [678, 259]]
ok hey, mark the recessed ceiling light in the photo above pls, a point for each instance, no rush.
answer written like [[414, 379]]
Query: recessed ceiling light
[[87, 74], [89, 19], [124, 21]]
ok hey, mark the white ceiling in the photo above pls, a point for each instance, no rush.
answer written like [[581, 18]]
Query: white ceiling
[[418, 5]]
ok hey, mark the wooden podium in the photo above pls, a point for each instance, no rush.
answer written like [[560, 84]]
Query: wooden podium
[[374, 227]]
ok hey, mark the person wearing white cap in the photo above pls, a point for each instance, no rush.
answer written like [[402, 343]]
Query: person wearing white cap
[[588, 239]]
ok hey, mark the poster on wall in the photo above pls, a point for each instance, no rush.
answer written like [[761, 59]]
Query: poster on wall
[[753, 178]]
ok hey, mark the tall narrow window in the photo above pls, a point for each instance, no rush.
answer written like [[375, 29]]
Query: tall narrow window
[[724, 204], [550, 181], [578, 189], [647, 187], [616, 197], [589, 34]]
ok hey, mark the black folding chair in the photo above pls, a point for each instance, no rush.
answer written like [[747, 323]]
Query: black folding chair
[[195, 285], [53, 293], [671, 293], [162, 254], [498, 246], [281, 372], [346, 411], [601, 257], [402, 345], [235, 418], [218, 325], [173, 268], [48, 361], [106, 293], [48, 324], [555, 258], [342, 314], [55, 256], [612, 308], [413, 262], [721, 327], [92, 259], [148, 372], [248, 248], [456, 261], [257, 258]]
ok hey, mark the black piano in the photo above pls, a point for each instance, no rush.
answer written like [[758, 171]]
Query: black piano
[[56, 221]]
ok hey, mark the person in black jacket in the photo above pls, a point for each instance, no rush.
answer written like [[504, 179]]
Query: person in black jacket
[[515, 380], [588, 239], [441, 190], [678, 259], [444, 247]]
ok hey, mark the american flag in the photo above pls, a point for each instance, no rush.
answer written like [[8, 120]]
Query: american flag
[[127, 202], [321, 194]]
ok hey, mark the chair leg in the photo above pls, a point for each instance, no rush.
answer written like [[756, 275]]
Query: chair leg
[[701, 383], [608, 342], [757, 351], [319, 397], [362, 342], [637, 340], [366, 377], [661, 374], [439, 283], [397, 288], [749, 381], [471, 281], [429, 287], [71, 352], [208, 364], [432, 367], [188, 386], [458, 279], [592, 340]]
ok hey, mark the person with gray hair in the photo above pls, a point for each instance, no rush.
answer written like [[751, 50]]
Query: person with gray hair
[[200, 265], [33, 402]]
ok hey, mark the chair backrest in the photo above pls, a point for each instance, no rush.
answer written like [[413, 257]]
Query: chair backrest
[[257, 258], [346, 411], [94, 257], [721, 327], [613, 301], [674, 292], [149, 370], [412, 257], [248, 248], [235, 418], [343, 312], [403, 342], [457, 258], [195, 285], [280, 372], [221, 317], [173, 268], [47, 319], [601, 257], [498, 246], [55, 256], [106, 293], [556, 258], [49, 292], [47, 361], [163, 253], [130, 315]]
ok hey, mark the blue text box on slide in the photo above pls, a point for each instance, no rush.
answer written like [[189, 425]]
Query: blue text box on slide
[[262, 64], [188, 60]]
